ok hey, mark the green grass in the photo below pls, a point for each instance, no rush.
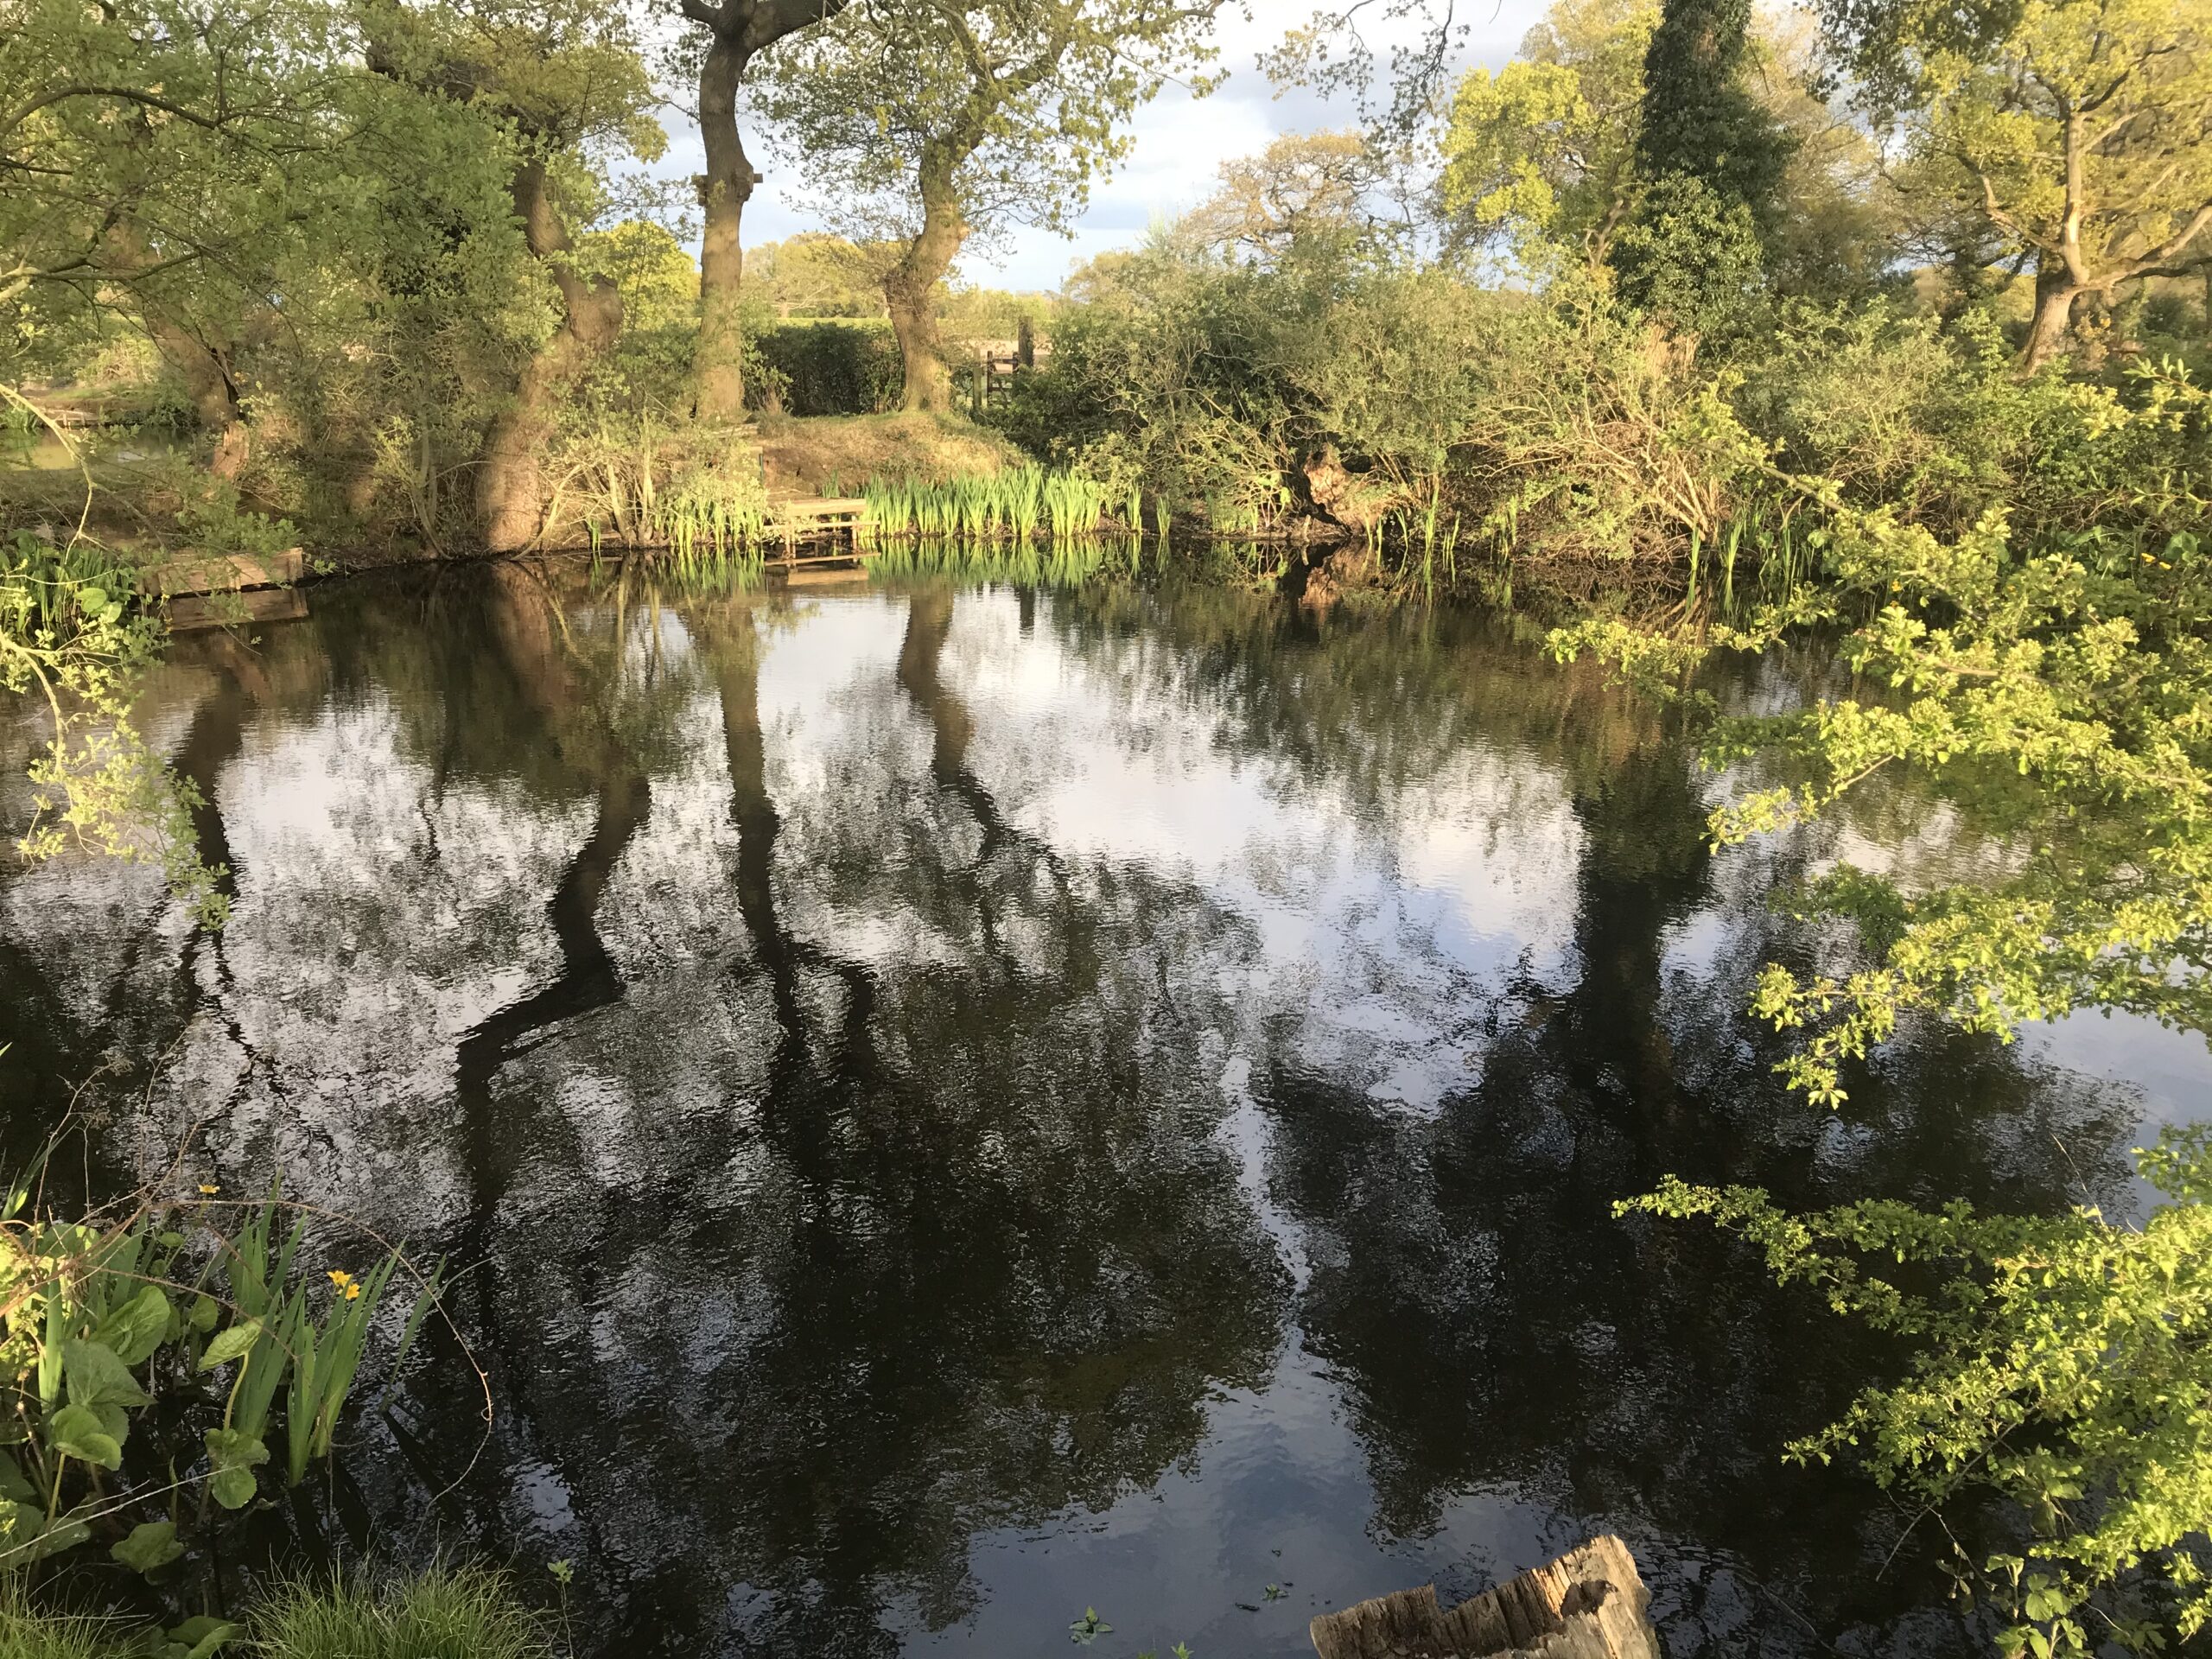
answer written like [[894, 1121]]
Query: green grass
[[25, 1634], [465, 1612]]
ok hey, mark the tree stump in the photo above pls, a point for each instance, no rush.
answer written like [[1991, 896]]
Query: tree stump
[[1589, 1603]]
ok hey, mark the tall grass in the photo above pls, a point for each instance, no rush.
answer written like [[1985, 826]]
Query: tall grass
[[25, 1633], [1020, 504]]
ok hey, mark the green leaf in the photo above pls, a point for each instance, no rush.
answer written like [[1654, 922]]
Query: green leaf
[[152, 1545], [228, 1344], [66, 1533], [13, 1483], [75, 1432], [234, 1488], [236, 1454], [95, 1375], [135, 1328], [204, 1315]]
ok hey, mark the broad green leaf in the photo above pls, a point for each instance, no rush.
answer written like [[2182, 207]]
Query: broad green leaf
[[234, 1488], [95, 1375], [137, 1327], [66, 1533], [75, 1432], [228, 1344], [196, 1638], [151, 1545]]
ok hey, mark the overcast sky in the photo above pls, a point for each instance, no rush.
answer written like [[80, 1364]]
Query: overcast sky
[[1180, 141]]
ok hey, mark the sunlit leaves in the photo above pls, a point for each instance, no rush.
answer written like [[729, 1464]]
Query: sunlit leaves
[[2062, 1361]]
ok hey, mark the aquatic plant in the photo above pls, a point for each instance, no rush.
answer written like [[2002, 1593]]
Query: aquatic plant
[[158, 1287], [1018, 503]]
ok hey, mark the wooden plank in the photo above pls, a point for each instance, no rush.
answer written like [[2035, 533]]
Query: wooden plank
[[192, 612], [223, 573], [1589, 1603], [819, 577]]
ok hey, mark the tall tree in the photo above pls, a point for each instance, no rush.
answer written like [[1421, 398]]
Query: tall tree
[[561, 80], [940, 120], [2081, 130], [1546, 148], [1301, 187], [737, 31]]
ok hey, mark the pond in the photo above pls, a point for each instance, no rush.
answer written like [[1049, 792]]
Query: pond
[[958, 1105]]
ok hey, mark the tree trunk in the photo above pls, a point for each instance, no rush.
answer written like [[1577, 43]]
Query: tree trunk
[[2056, 292], [724, 189], [910, 290], [509, 486]]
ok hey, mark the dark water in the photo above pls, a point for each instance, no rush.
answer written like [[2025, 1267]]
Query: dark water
[[962, 1106]]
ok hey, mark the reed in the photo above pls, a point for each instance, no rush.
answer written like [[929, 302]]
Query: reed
[[1020, 504]]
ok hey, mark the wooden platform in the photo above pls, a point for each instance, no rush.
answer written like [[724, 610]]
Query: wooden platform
[[1589, 1603], [223, 573]]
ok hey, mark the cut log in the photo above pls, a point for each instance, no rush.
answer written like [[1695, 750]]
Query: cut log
[[1589, 1603], [197, 611], [223, 573]]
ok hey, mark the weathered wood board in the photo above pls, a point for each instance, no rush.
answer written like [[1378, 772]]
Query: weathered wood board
[[223, 573], [192, 612], [1589, 1603], [824, 574]]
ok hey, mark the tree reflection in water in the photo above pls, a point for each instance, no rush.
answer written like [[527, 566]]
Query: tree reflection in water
[[954, 1104]]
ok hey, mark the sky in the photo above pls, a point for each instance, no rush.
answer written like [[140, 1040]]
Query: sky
[[1179, 144]]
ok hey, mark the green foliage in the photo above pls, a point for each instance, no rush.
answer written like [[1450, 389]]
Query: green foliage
[[94, 1309], [449, 1612], [832, 368], [2060, 1361], [1701, 120], [1690, 257], [1544, 151]]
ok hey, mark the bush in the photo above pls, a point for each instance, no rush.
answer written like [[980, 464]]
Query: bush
[[834, 368]]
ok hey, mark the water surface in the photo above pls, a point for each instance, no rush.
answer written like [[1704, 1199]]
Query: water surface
[[961, 1105]]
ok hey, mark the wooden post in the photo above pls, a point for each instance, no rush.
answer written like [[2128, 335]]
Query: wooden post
[[1024, 344], [1589, 1603]]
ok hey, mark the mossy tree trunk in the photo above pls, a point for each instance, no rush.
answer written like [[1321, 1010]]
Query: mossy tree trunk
[[509, 487]]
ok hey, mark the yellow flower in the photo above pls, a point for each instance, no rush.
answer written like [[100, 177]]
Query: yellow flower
[[343, 1278], [352, 1293], [208, 1192]]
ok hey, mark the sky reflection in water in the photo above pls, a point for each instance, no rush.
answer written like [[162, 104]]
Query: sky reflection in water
[[968, 1105]]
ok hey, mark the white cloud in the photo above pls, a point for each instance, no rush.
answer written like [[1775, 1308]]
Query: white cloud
[[1179, 144]]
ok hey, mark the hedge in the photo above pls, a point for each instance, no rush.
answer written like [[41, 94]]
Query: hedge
[[835, 368]]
